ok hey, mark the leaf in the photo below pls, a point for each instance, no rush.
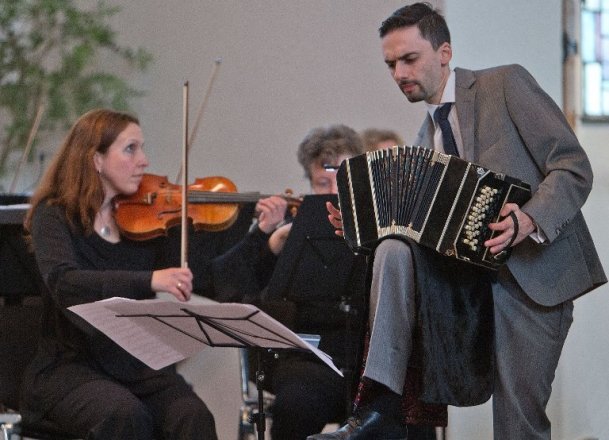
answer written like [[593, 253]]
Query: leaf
[[49, 52]]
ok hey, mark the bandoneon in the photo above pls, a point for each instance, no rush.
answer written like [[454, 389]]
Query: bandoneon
[[437, 200]]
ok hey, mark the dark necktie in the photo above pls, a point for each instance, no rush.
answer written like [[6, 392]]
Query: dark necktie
[[441, 118]]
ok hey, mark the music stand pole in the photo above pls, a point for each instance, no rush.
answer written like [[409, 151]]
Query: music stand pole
[[260, 417]]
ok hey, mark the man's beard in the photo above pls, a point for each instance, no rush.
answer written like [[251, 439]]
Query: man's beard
[[414, 95]]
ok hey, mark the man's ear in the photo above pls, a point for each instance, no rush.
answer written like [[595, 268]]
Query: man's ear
[[446, 52]]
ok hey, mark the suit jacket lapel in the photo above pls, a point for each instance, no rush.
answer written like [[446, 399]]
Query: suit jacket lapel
[[425, 135], [465, 94]]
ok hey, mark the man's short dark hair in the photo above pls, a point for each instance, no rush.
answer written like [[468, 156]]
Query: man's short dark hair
[[430, 22]]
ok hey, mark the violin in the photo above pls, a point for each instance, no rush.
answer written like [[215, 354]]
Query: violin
[[212, 205]]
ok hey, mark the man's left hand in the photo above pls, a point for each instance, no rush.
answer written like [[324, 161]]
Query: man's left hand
[[506, 227]]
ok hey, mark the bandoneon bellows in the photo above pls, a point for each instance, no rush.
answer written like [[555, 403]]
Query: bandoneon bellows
[[437, 200]]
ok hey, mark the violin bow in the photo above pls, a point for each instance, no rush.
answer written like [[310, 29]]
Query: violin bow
[[186, 144], [28, 145], [184, 236], [195, 129]]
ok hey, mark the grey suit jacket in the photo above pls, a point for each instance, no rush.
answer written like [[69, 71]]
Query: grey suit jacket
[[510, 125]]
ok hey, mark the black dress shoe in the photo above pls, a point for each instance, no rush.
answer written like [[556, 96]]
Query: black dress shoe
[[370, 426]]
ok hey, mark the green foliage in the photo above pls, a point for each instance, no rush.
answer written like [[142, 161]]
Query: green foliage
[[49, 55]]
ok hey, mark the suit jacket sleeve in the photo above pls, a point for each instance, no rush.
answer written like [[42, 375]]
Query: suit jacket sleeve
[[555, 150]]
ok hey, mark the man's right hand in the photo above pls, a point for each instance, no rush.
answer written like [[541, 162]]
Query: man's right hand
[[335, 218]]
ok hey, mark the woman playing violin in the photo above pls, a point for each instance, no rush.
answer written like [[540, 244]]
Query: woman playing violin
[[80, 380]]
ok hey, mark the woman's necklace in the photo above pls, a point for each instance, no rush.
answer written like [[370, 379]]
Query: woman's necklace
[[105, 230]]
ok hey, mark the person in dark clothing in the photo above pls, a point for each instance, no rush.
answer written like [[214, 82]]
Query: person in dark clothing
[[308, 394], [80, 380]]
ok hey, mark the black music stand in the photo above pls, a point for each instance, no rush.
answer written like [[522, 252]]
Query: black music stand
[[317, 267], [160, 333], [315, 261]]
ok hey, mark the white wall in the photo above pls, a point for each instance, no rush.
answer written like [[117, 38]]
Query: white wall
[[518, 31], [286, 67]]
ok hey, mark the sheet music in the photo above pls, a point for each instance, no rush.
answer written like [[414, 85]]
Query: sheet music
[[136, 339], [165, 332]]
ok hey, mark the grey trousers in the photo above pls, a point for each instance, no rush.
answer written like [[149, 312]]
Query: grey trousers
[[392, 314], [528, 342]]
